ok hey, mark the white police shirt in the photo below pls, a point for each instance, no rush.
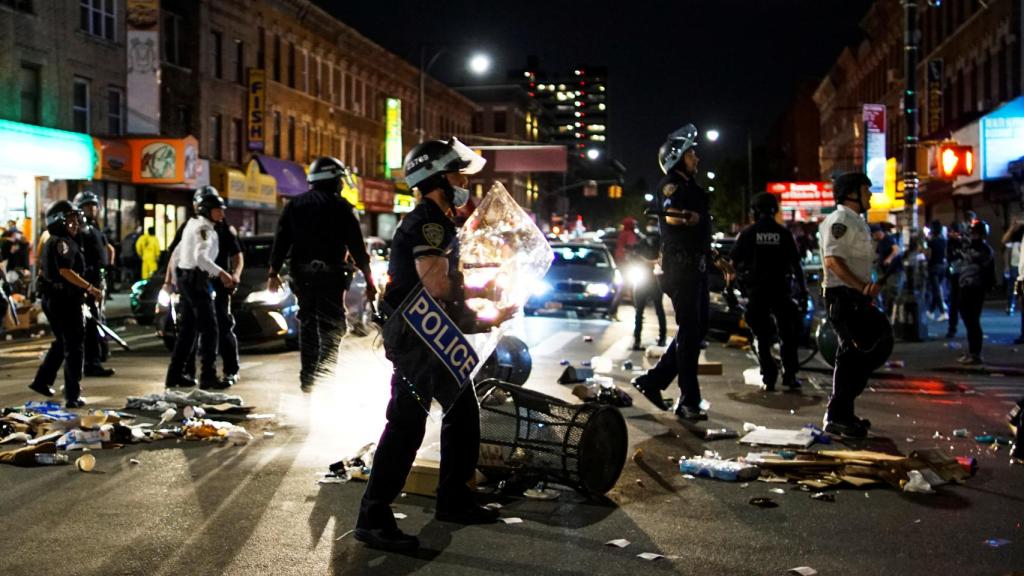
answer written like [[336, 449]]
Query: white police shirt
[[198, 248], [845, 234]]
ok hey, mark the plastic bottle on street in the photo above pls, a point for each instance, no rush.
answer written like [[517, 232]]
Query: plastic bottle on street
[[718, 469], [50, 458]]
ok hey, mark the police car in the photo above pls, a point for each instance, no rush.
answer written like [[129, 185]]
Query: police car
[[582, 278]]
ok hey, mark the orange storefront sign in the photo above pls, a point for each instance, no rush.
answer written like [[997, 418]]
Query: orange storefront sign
[[164, 160]]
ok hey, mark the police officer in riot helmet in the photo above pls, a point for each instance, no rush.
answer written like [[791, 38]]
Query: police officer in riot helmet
[[98, 255], [686, 254], [424, 252], [316, 232], [977, 276], [63, 289], [768, 267], [194, 264], [847, 255]]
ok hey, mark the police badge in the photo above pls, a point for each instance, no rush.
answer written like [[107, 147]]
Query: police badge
[[62, 247], [668, 190], [433, 234], [838, 230]]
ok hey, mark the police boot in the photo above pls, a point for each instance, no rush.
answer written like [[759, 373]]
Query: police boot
[[209, 382], [637, 345], [472, 514], [228, 381], [690, 413], [42, 389], [98, 371], [389, 539], [791, 383], [650, 390], [74, 403], [179, 381]]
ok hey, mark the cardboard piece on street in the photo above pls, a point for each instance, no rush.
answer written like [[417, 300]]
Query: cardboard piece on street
[[802, 438], [226, 408]]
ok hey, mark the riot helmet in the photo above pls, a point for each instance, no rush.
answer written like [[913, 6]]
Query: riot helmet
[[206, 199], [677, 143], [980, 228], [58, 215], [764, 205], [326, 173], [848, 185], [86, 198], [427, 163]]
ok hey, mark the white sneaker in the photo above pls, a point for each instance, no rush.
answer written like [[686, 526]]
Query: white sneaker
[[942, 317]]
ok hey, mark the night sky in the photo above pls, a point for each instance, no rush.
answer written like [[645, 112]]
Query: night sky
[[728, 64]]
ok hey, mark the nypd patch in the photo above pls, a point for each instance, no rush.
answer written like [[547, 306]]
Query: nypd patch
[[433, 234], [668, 190], [62, 247], [838, 230]]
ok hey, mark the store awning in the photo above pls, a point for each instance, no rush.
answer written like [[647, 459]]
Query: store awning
[[290, 177], [37, 151], [251, 189]]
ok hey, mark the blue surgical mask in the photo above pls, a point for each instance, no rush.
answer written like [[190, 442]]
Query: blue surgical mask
[[460, 196]]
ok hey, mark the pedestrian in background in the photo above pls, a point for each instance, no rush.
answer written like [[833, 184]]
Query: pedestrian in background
[[889, 265], [98, 256], [646, 286], [131, 264], [316, 233], [148, 249], [977, 277], [1011, 265], [938, 268]]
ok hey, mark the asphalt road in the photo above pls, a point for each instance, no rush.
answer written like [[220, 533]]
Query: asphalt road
[[201, 508]]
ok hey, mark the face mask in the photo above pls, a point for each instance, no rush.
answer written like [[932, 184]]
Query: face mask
[[460, 196]]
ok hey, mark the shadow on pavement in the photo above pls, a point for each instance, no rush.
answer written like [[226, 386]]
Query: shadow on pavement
[[785, 401]]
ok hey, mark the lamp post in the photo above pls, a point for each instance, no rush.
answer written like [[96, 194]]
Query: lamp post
[[713, 136], [478, 64]]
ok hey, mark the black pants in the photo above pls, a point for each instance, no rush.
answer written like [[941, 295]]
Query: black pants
[[64, 311], [651, 292], [227, 345], [96, 350], [196, 315], [850, 376], [688, 291], [954, 303], [771, 317], [321, 325], [403, 434], [972, 299], [936, 276]]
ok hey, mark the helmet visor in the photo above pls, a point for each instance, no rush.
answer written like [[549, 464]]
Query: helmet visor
[[687, 133], [466, 161]]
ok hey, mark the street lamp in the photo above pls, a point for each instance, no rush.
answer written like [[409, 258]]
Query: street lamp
[[478, 64], [711, 175], [593, 153], [712, 135]]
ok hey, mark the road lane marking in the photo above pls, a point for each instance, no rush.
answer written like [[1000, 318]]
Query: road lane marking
[[555, 342]]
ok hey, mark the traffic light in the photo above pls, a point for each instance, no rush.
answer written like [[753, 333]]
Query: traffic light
[[954, 160], [615, 191]]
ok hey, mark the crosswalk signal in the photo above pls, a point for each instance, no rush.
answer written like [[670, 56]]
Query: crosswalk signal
[[955, 160], [615, 191]]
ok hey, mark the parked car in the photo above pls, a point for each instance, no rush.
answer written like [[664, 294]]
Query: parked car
[[582, 278]]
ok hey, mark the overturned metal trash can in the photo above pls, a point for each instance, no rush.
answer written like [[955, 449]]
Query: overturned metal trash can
[[582, 446]]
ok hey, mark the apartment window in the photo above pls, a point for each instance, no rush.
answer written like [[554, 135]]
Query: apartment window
[[239, 62], [358, 96], [236, 140], [277, 133], [261, 47], [291, 65], [98, 18], [217, 54], [115, 111], [172, 32], [317, 78], [20, 5], [291, 138], [30, 94], [349, 102], [500, 122], [304, 72], [80, 105], [185, 119], [337, 86], [215, 137], [277, 57]]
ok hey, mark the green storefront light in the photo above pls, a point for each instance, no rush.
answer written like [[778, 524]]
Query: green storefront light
[[39, 151]]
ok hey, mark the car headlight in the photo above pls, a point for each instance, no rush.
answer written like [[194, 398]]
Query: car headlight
[[540, 288], [598, 289], [163, 298], [266, 297]]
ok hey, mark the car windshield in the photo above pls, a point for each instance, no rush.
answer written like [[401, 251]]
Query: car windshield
[[580, 256]]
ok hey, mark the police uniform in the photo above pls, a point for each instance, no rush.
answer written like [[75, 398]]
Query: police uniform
[[418, 377], [955, 257], [194, 263], [62, 304], [317, 231], [767, 263], [686, 255], [229, 246], [93, 244], [645, 253], [845, 235]]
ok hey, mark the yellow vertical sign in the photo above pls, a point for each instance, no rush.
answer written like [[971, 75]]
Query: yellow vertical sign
[[256, 121]]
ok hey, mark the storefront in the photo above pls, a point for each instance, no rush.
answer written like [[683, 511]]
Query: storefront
[[377, 200], [252, 198], [36, 164]]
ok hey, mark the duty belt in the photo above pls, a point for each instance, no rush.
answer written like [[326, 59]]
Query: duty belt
[[320, 267]]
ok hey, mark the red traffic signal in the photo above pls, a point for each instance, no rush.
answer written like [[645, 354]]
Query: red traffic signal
[[954, 160]]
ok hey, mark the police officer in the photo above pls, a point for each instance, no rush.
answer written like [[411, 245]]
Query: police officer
[[767, 264], [954, 255], [194, 264], [98, 255], [63, 289], [230, 258], [847, 255], [317, 231], [424, 252], [977, 276], [646, 287], [686, 254]]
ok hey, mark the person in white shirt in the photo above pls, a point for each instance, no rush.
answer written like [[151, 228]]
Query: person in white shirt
[[847, 255], [194, 265]]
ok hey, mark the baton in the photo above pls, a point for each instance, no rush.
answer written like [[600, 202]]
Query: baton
[[103, 329]]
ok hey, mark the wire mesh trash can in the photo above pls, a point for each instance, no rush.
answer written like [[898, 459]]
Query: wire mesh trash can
[[510, 362], [525, 432]]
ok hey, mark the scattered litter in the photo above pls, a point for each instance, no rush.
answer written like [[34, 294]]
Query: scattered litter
[[588, 338], [744, 485], [343, 535], [260, 416], [719, 434], [937, 435], [895, 364], [910, 439], [918, 521], [689, 477], [968, 463], [705, 405], [792, 412], [996, 542], [917, 484], [400, 516], [750, 427], [718, 469], [332, 480], [638, 455], [649, 556], [511, 520], [778, 437], [601, 364], [777, 491], [823, 496], [134, 461], [542, 493], [762, 502], [86, 462], [491, 505], [268, 434], [563, 362], [655, 351], [618, 543], [960, 432], [627, 365], [802, 571]]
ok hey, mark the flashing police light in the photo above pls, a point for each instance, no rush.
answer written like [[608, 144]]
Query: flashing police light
[[955, 160]]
